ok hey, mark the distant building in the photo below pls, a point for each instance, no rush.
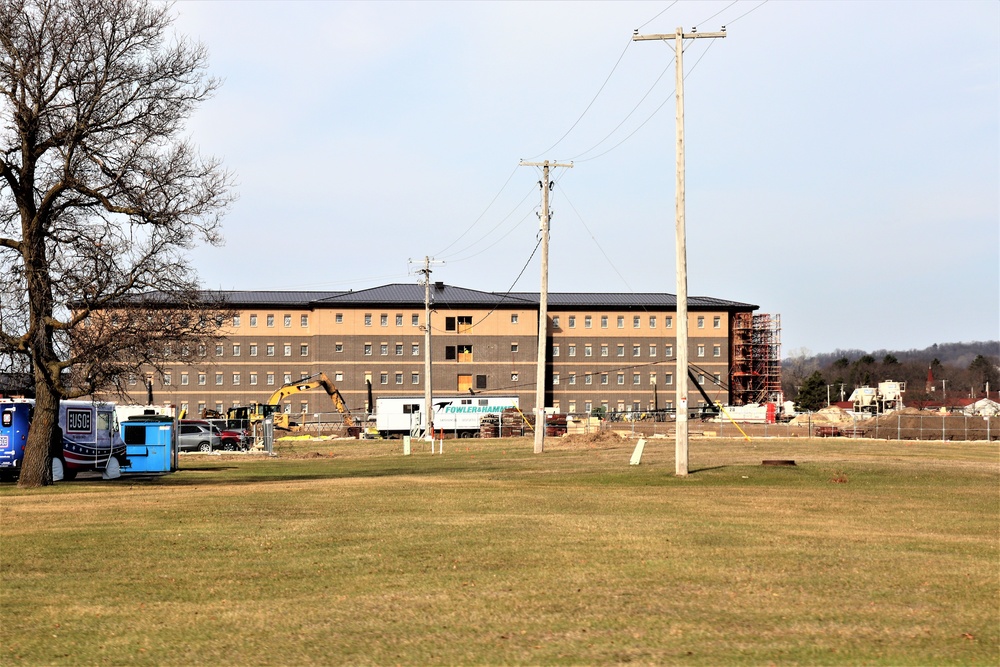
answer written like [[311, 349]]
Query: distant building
[[615, 351]]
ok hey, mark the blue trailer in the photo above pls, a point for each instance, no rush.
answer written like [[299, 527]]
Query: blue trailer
[[150, 444]]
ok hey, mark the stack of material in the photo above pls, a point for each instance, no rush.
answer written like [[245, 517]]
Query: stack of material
[[555, 425], [827, 416], [489, 426], [514, 423], [583, 425]]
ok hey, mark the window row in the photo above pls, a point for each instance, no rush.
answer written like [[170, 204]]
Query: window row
[[668, 321], [383, 349], [383, 319], [269, 319], [623, 378], [605, 350], [253, 350]]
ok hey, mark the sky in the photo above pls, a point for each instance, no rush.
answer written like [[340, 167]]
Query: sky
[[842, 158]]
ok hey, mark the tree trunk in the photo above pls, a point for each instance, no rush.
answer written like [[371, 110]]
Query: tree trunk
[[37, 468]]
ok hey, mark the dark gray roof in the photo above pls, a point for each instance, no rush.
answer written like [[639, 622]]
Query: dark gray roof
[[410, 294], [640, 300]]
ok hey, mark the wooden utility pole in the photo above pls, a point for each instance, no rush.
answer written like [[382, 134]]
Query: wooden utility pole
[[681, 405], [543, 303], [428, 396]]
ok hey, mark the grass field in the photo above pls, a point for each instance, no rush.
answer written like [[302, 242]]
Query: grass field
[[347, 552]]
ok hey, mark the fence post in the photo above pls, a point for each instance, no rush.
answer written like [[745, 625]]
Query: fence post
[[899, 434]]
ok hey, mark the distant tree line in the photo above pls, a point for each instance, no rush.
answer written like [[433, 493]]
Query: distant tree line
[[959, 370]]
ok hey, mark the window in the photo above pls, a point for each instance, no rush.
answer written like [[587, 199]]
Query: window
[[668, 322], [414, 320], [716, 350], [270, 320], [414, 378], [513, 318], [368, 349], [288, 349], [604, 350], [449, 324], [588, 379], [202, 380], [588, 406], [184, 406], [415, 349], [399, 319], [399, 349], [253, 349], [701, 321], [449, 353], [572, 378], [604, 378], [339, 318], [555, 378], [701, 378], [338, 376], [572, 406], [253, 320], [399, 378], [621, 378], [218, 378], [555, 350], [513, 347], [236, 378], [383, 319], [668, 350], [555, 322], [270, 349], [383, 378], [621, 349], [270, 379], [636, 378], [218, 350], [184, 379], [636, 322], [701, 350], [338, 347], [588, 350], [253, 378], [287, 320], [652, 378], [287, 378], [621, 321], [652, 321], [604, 321], [716, 322], [636, 350], [131, 379], [514, 376], [572, 321], [304, 407], [383, 349], [668, 378], [236, 350], [236, 320], [304, 350], [480, 382], [588, 321], [572, 350], [652, 351], [201, 350], [303, 321], [368, 319], [718, 378], [464, 353]]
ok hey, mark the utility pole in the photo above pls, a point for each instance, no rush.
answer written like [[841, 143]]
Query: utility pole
[[428, 396], [543, 303], [681, 410]]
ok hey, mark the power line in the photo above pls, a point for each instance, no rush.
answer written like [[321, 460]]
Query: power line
[[476, 221]]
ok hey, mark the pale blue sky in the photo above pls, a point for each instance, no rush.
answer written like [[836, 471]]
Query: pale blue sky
[[843, 158]]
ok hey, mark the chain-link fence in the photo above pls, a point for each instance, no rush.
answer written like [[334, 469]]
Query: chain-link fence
[[892, 426]]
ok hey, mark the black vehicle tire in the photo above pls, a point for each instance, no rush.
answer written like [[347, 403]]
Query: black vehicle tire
[[204, 447], [230, 446], [69, 474]]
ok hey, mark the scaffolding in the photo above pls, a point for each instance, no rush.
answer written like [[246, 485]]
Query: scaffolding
[[756, 355]]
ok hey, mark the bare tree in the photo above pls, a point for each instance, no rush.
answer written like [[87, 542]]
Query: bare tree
[[99, 197]]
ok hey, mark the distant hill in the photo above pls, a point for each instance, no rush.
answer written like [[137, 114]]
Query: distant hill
[[949, 354]]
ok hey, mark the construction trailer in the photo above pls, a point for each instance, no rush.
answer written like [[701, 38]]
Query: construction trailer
[[454, 415]]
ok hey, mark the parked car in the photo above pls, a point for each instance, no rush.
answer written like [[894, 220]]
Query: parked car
[[199, 436], [233, 440]]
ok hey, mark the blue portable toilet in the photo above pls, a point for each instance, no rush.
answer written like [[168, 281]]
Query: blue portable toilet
[[150, 444]]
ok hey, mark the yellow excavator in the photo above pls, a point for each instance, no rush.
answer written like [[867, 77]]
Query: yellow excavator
[[258, 412]]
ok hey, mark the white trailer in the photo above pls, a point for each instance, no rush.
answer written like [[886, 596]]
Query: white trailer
[[455, 415]]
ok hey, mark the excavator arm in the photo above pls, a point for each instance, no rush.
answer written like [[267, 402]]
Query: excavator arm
[[312, 382]]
